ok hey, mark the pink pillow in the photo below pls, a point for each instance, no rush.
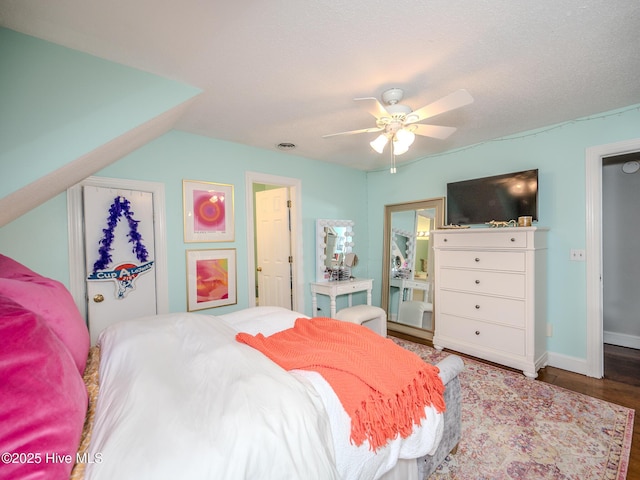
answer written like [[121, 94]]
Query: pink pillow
[[43, 402], [52, 301]]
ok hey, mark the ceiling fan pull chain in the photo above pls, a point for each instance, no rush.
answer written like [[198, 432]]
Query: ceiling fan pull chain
[[393, 159]]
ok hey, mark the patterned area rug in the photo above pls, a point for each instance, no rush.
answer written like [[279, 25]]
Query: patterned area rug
[[518, 428]]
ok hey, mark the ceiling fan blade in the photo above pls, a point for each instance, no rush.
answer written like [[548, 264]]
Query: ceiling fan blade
[[352, 132], [433, 131], [457, 99], [375, 107]]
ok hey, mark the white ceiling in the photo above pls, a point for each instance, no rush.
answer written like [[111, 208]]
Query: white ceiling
[[288, 70]]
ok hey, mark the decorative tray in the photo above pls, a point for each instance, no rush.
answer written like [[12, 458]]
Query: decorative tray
[[453, 227]]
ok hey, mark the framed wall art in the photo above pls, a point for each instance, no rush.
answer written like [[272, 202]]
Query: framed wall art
[[208, 212], [211, 278]]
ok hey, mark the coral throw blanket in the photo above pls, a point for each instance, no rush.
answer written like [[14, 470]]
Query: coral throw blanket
[[382, 387]]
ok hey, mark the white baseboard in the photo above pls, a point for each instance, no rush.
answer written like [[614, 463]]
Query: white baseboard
[[579, 365], [622, 339], [565, 362]]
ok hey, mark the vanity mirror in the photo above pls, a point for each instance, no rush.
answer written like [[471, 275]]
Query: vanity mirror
[[407, 270], [334, 250]]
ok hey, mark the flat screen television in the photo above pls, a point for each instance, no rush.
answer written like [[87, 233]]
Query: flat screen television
[[500, 198]]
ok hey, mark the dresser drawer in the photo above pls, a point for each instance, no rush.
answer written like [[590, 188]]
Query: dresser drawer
[[498, 238], [487, 260], [481, 281], [487, 335], [481, 307]]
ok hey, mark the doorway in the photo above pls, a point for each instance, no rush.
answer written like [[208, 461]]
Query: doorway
[[257, 182], [595, 158], [621, 267], [620, 261]]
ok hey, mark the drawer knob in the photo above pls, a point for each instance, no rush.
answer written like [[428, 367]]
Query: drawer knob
[[513, 239], [477, 307], [444, 240], [477, 282], [477, 332], [477, 259]]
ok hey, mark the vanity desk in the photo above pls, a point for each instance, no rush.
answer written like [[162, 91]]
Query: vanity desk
[[407, 286], [341, 287]]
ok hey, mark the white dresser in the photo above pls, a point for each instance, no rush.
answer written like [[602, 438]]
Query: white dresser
[[490, 294]]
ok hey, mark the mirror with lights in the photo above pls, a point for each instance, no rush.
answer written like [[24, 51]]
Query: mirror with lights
[[334, 250], [402, 252], [407, 273]]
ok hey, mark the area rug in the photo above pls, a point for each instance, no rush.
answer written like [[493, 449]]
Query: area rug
[[517, 428]]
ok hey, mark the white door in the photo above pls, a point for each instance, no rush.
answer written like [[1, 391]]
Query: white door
[[120, 254], [273, 248]]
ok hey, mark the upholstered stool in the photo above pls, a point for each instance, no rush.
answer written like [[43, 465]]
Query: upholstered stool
[[374, 318], [413, 313]]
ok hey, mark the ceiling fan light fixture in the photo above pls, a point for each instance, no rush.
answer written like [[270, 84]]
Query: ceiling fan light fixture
[[405, 137], [379, 143], [402, 140], [399, 124], [399, 148]]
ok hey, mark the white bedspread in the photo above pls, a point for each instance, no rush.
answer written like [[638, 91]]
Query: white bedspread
[[181, 399], [352, 462]]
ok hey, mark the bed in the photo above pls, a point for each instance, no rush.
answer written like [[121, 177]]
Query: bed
[[179, 396]]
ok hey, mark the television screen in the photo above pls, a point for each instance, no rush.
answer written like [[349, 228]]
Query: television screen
[[500, 198]]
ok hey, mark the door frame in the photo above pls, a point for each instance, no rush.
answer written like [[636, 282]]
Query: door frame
[[77, 261], [295, 194], [595, 325]]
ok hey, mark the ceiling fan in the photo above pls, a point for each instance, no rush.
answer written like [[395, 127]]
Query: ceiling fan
[[399, 124]]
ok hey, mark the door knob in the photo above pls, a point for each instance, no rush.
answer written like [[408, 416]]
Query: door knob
[[98, 297], [259, 269]]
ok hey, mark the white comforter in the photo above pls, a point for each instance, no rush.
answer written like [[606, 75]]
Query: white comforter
[[180, 398], [353, 462]]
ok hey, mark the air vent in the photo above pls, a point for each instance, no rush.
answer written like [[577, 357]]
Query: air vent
[[286, 146]]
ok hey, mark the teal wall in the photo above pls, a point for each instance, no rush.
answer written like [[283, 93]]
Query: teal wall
[[58, 104], [70, 117], [34, 237], [558, 152], [178, 155]]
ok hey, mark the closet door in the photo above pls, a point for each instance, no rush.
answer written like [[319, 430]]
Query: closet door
[[119, 256]]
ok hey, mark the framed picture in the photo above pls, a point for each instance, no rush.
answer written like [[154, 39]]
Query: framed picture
[[208, 212], [211, 278]]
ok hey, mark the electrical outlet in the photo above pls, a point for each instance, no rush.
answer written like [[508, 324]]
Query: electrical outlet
[[549, 330], [577, 255]]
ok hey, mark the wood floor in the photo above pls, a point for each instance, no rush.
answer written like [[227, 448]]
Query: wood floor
[[620, 385]]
